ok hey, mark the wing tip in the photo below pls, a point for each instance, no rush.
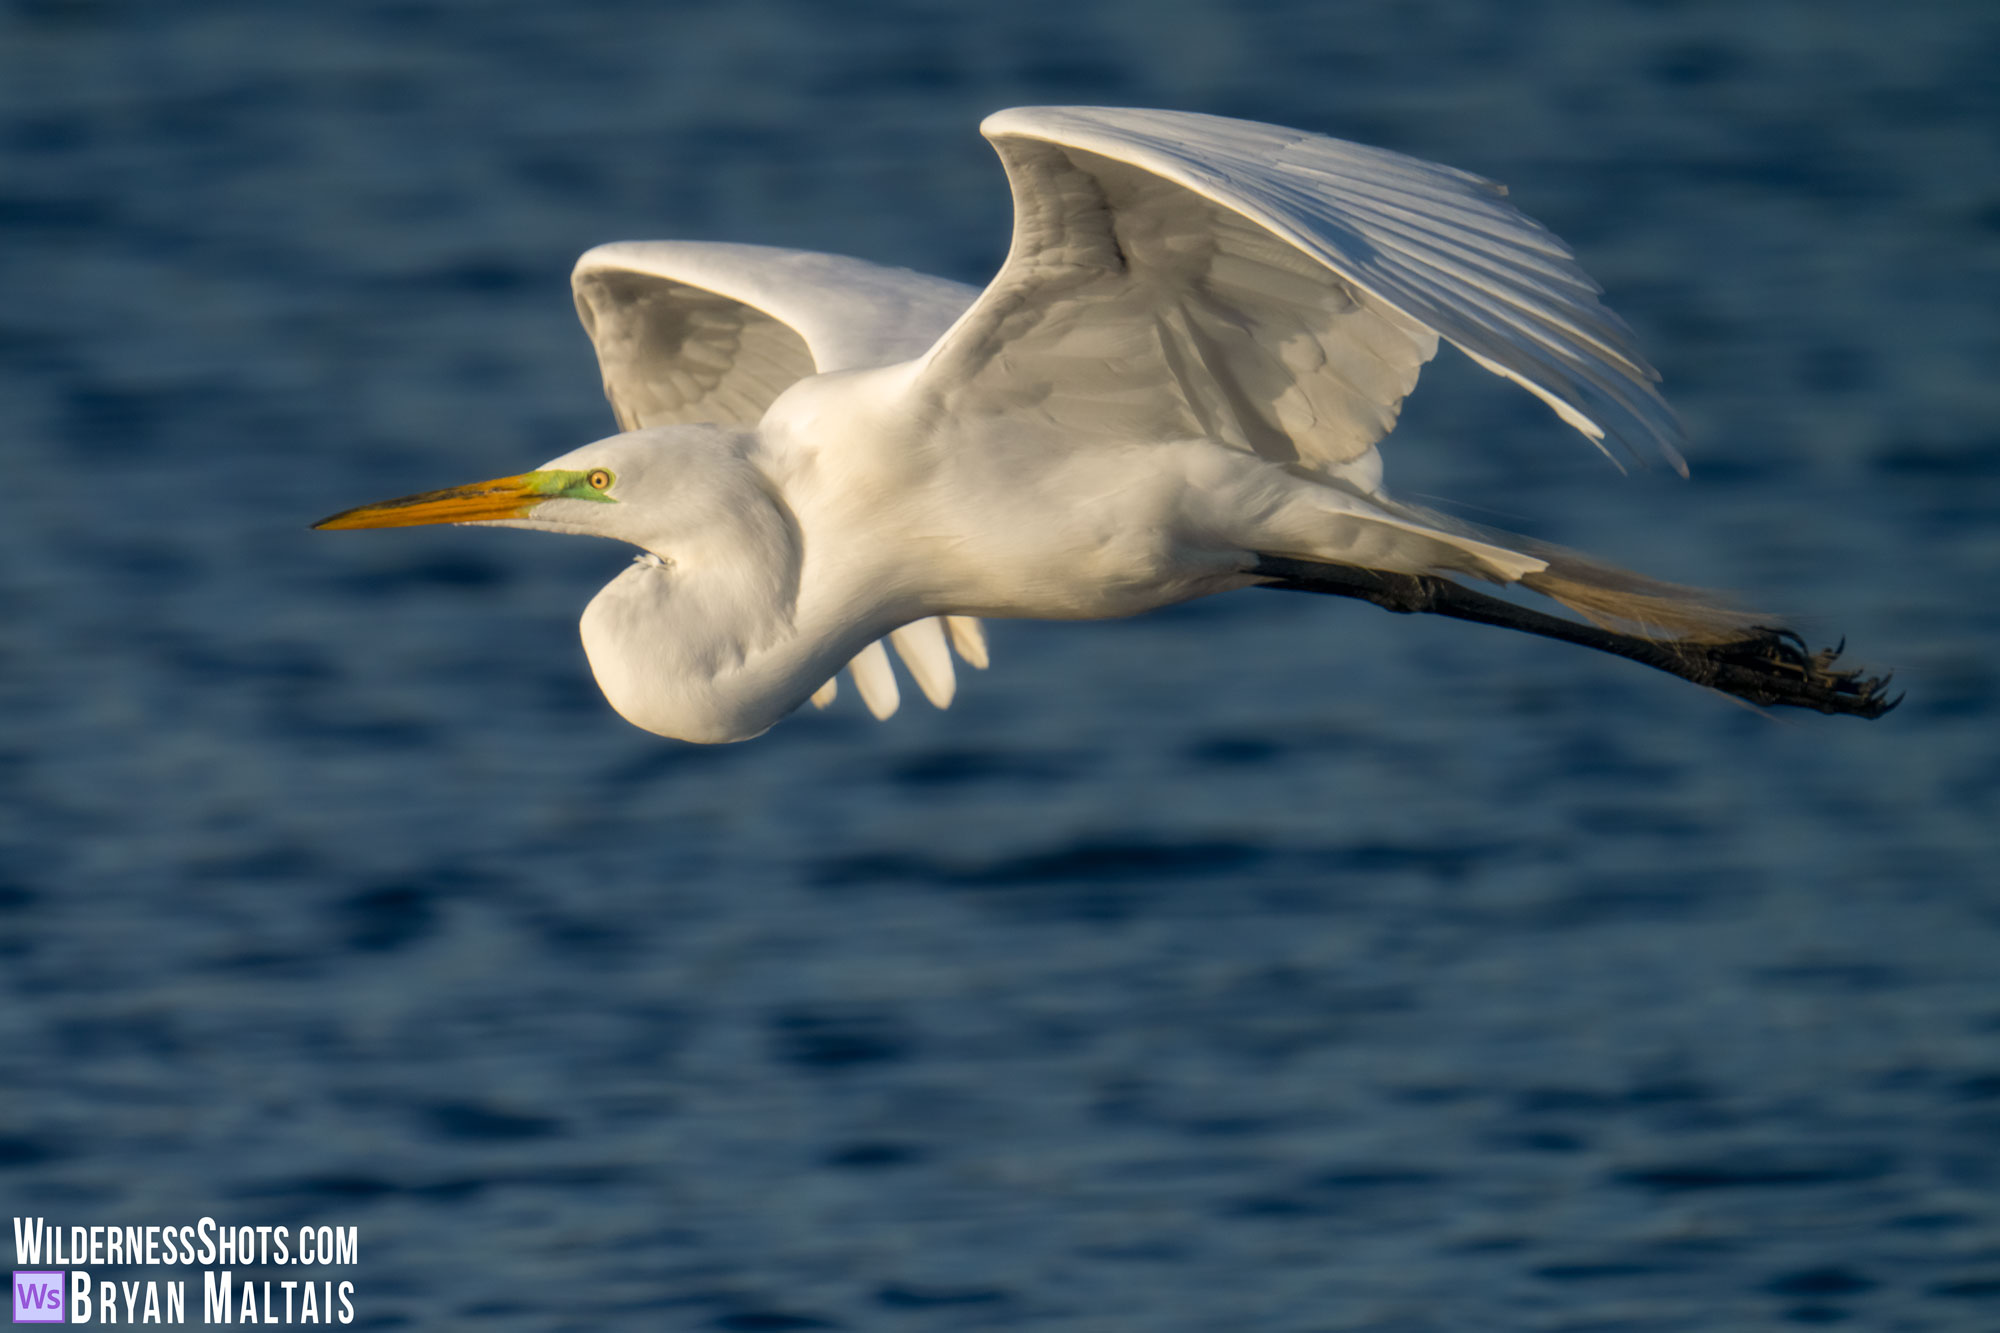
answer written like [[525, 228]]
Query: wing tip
[[927, 657], [968, 636], [875, 679]]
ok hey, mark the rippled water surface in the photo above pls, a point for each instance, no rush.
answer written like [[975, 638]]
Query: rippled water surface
[[1264, 964]]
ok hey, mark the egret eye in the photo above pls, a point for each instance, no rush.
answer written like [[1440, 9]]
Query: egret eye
[[599, 479]]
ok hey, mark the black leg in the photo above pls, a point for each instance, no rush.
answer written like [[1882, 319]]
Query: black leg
[[1769, 666]]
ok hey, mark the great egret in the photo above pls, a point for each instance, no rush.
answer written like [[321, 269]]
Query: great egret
[[1174, 387]]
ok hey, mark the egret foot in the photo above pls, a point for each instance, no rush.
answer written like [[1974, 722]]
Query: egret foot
[[1768, 667]]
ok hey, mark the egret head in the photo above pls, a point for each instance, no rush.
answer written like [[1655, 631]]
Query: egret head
[[644, 487], [719, 585]]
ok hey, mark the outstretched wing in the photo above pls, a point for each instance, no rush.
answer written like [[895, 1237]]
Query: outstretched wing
[[700, 331], [693, 331], [1175, 274]]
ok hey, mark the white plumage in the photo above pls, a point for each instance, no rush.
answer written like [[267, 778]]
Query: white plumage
[[1200, 333]]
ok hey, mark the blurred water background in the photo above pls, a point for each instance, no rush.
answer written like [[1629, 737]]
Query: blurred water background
[[1271, 963]]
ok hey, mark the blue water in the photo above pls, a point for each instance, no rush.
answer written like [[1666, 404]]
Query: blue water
[[1265, 964]]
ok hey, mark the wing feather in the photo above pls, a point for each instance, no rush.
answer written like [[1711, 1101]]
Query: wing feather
[[1288, 286], [876, 680], [698, 331], [922, 646], [968, 637]]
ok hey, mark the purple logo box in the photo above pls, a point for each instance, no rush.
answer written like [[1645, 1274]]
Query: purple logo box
[[38, 1297]]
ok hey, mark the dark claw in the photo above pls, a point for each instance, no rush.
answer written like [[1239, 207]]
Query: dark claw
[[1774, 667]]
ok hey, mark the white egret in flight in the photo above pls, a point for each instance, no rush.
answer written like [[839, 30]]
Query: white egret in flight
[[1175, 386]]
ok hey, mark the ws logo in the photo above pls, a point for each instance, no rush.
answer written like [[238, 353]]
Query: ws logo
[[38, 1297]]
